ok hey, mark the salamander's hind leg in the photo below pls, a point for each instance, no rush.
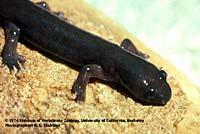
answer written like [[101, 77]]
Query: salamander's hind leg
[[130, 47], [9, 54], [46, 6], [87, 72]]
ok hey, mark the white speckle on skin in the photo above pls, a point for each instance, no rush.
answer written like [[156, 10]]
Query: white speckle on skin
[[44, 5], [145, 82], [14, 33], [12, 40]]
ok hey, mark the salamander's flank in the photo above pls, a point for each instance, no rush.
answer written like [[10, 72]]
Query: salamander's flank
[[98, 57]]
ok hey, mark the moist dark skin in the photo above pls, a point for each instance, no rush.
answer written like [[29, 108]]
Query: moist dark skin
[[98, 57]]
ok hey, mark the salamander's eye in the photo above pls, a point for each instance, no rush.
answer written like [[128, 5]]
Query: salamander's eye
[[151, 92], [163, 74]]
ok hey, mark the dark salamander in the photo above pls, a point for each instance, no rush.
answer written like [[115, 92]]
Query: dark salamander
[[99, 58]]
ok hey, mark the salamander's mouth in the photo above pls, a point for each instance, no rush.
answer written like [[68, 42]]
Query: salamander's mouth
[[162, 99], [159, 103], [155, 102], [165, 98], [159, 100], [164, 95], [163, 102]]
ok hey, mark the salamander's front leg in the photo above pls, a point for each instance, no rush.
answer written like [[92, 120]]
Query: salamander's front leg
[[129, 46], [87, 72], [46, 6], [9, 54]]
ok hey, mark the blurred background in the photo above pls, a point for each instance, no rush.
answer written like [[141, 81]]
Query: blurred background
[[169, 27]]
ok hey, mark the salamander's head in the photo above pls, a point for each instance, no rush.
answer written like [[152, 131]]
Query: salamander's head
[[148, 84], [156, 89]]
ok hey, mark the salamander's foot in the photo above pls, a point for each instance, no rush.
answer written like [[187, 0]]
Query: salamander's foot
[[87, 72], [9, 55], [130, 47], [13, 60]]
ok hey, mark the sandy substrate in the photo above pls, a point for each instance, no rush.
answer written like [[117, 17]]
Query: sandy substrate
[[43, 94]]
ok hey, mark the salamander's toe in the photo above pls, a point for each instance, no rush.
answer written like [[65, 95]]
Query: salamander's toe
[[22, 60], [11, 68], [13, 61], [80, 99]]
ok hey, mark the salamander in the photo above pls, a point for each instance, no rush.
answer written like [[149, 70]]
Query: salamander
[[97, 57]]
